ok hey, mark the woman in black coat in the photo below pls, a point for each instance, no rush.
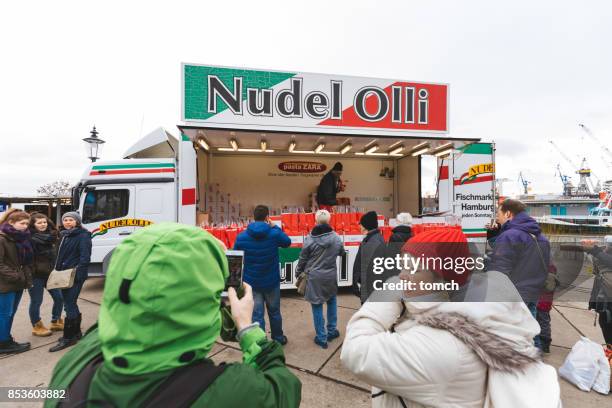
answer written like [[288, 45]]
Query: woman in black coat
[[403, 231], [44, 239], [74, 251]]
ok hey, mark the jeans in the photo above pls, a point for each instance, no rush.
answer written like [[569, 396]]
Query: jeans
[[71, 295], [36, 298], [533, 308], [319, 320], [545, 330], [271, 299], [8, 307]]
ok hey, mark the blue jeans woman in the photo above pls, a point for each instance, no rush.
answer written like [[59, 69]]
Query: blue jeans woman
[[319, 260], [16, 257], [44, 241], [74, 251]]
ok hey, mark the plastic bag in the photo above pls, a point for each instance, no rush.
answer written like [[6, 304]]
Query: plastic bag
[[586, 367]]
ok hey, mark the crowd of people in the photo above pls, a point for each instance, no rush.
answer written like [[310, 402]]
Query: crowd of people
[[417, 348], [31, 247]]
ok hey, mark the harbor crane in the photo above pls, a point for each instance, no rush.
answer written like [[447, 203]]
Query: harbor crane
[[568, 188], [524, 182], [585, 185]]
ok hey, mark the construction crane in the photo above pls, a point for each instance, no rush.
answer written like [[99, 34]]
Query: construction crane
[[600, 143], [568, 188], [524, 182], [585, 186]]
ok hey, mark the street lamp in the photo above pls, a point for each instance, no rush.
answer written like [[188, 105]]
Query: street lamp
[[93, 144]]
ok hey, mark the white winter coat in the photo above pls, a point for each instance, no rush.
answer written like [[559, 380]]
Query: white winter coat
[[430, 367]]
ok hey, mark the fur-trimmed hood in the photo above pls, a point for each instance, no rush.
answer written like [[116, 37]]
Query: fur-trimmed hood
[[491, 348]]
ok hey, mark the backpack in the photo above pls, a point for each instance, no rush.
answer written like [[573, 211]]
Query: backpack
[[178, 390]]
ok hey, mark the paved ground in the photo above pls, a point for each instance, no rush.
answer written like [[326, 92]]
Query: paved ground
[[325, 382]]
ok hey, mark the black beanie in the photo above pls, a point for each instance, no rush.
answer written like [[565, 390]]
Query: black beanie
[[369, 220], [337, 167]]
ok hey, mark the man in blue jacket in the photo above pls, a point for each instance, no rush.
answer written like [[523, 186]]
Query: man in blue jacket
[[521, 251], [260, 243]]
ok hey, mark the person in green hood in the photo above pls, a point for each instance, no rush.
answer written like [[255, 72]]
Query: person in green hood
[[160, 317]]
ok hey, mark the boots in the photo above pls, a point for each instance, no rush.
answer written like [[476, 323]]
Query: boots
[[72, 334], [40, 330], [11, 346], [57, 325]]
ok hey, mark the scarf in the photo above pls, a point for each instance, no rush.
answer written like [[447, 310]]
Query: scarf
[[42, 242], [25, 253]]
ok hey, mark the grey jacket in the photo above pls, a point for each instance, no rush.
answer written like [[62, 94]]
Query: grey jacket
[[318, 258], [602, 286]]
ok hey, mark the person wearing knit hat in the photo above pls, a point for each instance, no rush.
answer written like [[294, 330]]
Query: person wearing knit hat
[[410, 346], [74, 251], [74, 215], [329, 187], [369, 221], [372, 246], [445, 256]]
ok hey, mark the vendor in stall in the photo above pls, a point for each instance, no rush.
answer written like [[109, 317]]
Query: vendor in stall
[[330, 185]]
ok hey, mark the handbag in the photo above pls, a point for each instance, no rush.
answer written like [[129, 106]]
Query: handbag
[[302, 279], [300, 283], [61, 279]]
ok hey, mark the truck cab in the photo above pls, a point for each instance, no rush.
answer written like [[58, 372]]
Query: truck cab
[[116, 197]]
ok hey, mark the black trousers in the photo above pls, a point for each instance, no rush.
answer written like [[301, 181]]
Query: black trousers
[[605, 322]]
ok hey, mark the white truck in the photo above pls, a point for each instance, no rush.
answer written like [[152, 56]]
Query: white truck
[[268, 137]]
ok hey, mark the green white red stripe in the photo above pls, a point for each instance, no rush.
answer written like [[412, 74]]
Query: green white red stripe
[[140, 168]]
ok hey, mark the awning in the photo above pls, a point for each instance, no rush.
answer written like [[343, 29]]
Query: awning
[[228, 141]]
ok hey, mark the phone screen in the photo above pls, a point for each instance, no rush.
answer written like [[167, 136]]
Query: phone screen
[[235, 263]]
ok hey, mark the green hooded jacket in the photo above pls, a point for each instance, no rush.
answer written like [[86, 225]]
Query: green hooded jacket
[[172, 319]]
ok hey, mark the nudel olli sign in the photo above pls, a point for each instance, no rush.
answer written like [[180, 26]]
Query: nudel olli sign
[[285, 101]]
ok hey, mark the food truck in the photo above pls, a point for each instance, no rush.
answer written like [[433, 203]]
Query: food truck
[[251, 136]]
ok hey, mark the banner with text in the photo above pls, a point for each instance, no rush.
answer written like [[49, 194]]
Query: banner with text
[[248, 98]]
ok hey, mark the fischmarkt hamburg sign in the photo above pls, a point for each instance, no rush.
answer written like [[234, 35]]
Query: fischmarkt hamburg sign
[[299, 101]]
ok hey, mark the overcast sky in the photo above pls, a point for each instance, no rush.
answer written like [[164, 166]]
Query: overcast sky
[[521, 72]]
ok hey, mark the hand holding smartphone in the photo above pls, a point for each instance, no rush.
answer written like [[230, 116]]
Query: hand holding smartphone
[[242, 308], [235, 261]]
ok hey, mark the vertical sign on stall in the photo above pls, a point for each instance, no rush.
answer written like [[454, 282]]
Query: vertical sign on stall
[[473, 187]]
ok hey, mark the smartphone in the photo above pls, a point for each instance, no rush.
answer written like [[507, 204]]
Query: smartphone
[[235, 261]]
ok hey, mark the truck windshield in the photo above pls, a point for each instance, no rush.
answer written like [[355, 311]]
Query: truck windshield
[[101, 205]]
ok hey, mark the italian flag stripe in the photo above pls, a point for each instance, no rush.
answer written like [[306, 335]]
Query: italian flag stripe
[[133, 166], [477, 148], [129, 171]]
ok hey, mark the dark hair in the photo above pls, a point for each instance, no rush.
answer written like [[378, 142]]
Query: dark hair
[[514, 206], [13, 215], [37, 216], [260, 213]]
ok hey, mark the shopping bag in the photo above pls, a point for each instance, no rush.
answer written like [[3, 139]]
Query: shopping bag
[[586, 367]]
